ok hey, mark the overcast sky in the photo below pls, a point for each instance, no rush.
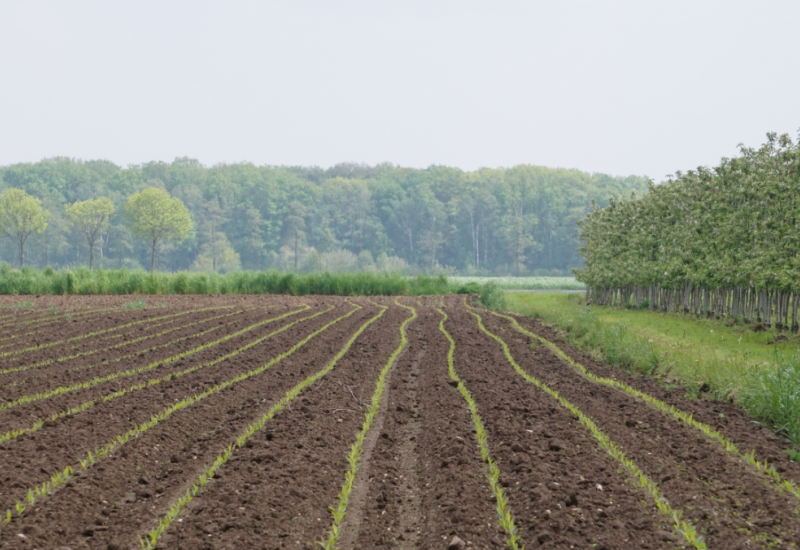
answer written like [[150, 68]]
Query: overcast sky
[[639, 87]]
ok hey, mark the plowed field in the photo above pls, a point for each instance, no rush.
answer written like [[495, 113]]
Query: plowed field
[[270, 422]]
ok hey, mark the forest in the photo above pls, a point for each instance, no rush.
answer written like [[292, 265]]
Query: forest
[[350, 217], [721, 241]]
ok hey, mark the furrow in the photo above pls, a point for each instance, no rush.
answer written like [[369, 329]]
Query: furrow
[[78, 355], [684, 528], [28, 399], [505, 517], [86, 405], [62, 476], [762, 467], [197, 486], [356, 450], [96, 333]]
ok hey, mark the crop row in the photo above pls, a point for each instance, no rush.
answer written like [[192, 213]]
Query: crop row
[[27, 399], [127, 341], [61, 476], [90, 334], [685, 528], [504, 514], [12, 434], [357, 449], [48, 320], [198, 484], [669, 410]]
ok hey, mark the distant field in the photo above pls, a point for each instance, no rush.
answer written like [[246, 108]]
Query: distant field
[[524, 283]]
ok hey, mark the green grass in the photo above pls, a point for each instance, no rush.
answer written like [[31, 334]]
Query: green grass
[[703, 355], [123, 282], [524, 283], [81, 280]]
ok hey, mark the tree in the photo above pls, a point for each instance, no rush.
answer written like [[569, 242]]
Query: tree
[[155, 216], [91, 219], [20, 217], [217, 255], [294, 227]]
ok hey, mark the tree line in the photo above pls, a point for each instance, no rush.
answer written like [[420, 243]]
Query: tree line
[[721, 241], [350, 217]]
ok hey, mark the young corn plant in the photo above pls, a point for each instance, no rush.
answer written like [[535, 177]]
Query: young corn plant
[[31, 398], [152, 382], [89, 335], [163, 415], [150, 541], [671, 411], [339, 511], [127, 341], [684, 528], [504, 515]]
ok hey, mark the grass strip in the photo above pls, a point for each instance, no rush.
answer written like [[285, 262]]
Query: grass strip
[[357, 449], [504, 514], [685, 528], [670, 410], [151, 539], [122, 344], [31, 398], [94, 333], [60, 477]]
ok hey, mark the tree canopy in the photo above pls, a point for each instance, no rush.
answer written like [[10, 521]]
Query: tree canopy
[[91, 219], [519, 220], [21, 216], [154, 216]]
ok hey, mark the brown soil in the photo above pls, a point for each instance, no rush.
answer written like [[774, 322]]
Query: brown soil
[[422, 480]]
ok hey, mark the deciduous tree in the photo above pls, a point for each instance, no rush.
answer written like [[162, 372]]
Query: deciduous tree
[[155, 216], [20, 217], [90, 217]]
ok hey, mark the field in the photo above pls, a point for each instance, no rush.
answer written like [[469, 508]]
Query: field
[[200, 422], [523, 283]]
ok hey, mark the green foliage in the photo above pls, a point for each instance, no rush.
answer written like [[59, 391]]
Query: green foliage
[[721, 241], [21, 216], [141, 303], [154, 216], [772, 393], [492, 297], [436, 220], [90, 217], [84, 281]]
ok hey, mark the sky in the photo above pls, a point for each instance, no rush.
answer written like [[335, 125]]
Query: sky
[[640, 87]]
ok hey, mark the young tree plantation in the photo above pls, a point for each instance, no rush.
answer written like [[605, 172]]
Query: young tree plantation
[[718, 241]]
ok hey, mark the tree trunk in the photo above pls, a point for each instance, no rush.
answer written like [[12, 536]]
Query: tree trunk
[[21, 254], [153, 257], [296, 242], [91, 256]]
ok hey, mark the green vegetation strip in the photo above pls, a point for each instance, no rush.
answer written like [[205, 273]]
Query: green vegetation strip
[[125, 343], [151, 540], [27, 399], [94, 333], [685, 528], [357, 449], [13, 434], [670, 410], [503, 509], [60, 477]]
